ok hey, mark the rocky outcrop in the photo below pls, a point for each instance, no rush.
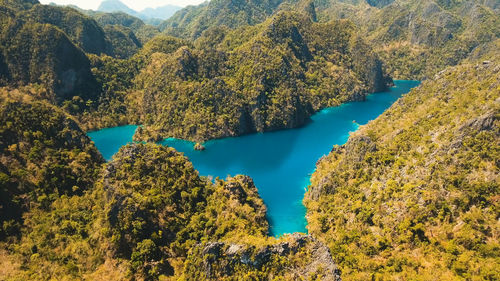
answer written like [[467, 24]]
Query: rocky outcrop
[[484, 122], [43, 54], [243, 189], [82, 30], [198, 146], [354, 152], [356, 149], [380, 197], [297, 257]]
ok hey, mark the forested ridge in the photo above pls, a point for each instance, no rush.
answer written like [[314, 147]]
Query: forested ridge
[[416, 38], [262, 78], [413, 195], [67, 215]]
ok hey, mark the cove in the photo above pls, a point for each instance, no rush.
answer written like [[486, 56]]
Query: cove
[[280, 162]]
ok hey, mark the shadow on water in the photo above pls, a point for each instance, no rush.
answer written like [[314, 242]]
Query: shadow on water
[[280, 162], [108, 141], [258, 152]]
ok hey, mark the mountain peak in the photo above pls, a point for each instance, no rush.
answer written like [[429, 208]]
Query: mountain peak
[[115, 6], [163, 12]]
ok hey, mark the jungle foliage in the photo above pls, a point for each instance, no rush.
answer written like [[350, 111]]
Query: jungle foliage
[[414, 194], [415, 38], [262, 78]]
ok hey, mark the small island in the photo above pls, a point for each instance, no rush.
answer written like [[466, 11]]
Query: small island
[[198, 146]]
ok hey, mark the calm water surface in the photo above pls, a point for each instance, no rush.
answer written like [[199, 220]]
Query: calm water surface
[[281, 162]]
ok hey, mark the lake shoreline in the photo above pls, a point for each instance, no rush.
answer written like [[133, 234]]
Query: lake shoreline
[[281, 161]]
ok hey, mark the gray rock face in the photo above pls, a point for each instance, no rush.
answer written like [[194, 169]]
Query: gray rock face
[[323, 187], [357, 147], [220, 259], [355, 151], [484, 122]]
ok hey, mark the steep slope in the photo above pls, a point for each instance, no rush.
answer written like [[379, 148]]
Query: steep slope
[[295, 257], [417, 39], [414, 194], [41, 53], [92, 32], [125, 43], [146, 217], [142, 31], [169, 209], [420, 38], [19, 4], [43, 155], [268, 77], [82, 30], [190, 22]]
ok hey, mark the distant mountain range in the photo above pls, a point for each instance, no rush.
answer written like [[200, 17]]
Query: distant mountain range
[[148, 14]]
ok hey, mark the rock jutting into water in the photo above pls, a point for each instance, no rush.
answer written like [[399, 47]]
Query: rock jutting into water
[[280, 162], [198, 146]]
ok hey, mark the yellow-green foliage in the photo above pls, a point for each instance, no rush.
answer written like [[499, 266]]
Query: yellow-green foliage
[[268, 77], [124, 42], [149, 194], [418, 38], [193, 20], [414, 194], [142, 31], [82, 30], [291, 257], [38, 52], [147, 209], [155, 206], [43, 155]]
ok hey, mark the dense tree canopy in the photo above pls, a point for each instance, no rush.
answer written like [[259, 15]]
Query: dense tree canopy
[[267, 77], [413, 194], [44, 155]]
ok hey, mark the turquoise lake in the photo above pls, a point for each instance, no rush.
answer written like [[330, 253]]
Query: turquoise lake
[[281, 162]]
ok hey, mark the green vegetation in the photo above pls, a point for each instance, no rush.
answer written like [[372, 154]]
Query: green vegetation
[[229, 83], [82, 30], [223, 84], [138, 220], [190, 22], [66, 215], [268, 77], [142, 31], [51, 46], [41, 53], [123, 37], [44, 155], [415, 38], [413, 195], [150, 214]]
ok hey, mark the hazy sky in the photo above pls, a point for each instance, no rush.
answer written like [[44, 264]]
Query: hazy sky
[[134, 4]]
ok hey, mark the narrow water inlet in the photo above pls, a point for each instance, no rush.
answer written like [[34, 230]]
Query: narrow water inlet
[[279, 162]]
